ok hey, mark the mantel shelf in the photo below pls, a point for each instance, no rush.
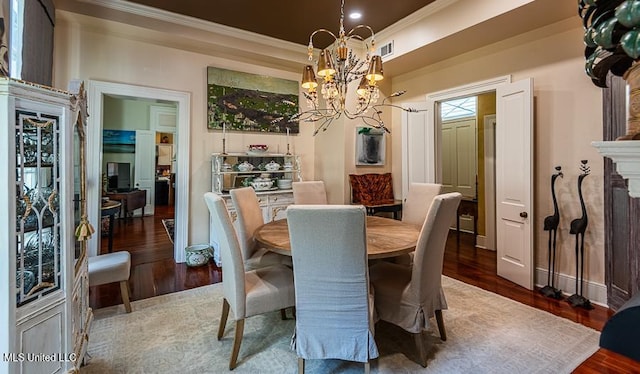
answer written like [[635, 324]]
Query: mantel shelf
[[626, 155]]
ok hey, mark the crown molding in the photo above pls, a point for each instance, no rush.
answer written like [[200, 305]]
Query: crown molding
[[414, 17], [144, 11]]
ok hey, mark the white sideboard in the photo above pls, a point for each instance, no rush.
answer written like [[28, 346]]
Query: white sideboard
[[226, 175]]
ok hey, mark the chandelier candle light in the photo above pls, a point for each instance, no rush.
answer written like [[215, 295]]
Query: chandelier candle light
[[337, 66]]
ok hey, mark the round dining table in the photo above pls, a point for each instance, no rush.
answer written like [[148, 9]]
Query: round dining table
[[386, 237]]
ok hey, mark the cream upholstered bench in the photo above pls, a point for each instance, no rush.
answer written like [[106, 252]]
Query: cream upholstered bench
[[109, 268]]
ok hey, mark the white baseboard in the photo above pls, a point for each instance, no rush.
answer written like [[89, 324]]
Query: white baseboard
[[595, 292], [481, 242]]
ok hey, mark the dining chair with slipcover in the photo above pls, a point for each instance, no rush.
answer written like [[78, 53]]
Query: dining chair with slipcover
[[407, 296], [334, 305], [246, 293], [309, 192], [418, 201], [249, 215], [415, 209]]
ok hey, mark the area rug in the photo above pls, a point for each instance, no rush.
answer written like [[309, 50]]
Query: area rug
[[168, 227], [487, 333]]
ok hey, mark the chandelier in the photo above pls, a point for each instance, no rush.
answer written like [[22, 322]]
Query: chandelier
[[337, 66]]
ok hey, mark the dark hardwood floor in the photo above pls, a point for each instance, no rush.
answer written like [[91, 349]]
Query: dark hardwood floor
[[154, 272]]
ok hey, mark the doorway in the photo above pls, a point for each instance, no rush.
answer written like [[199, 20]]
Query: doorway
[[97, 92], [467, 133], [422, 156]]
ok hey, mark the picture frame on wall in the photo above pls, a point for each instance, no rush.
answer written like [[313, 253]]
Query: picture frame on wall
[[118, 141], [370, 146], [238, 101]]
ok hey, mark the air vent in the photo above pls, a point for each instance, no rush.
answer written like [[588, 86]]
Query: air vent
[[386, 49]]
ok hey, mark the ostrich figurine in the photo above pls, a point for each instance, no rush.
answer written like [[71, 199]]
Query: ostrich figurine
[[551, 225], [578, 228]]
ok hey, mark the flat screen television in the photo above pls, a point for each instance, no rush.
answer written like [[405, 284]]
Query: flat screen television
[[119, 176]]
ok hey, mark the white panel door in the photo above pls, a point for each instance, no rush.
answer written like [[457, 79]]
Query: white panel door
[[449, 158], [467, 157], [459, 157], [418, 144], [144, 168], [514, 210]]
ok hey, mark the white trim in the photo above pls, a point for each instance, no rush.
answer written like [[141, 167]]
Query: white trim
[[129, 7], [595, 292], [433, 120], [95, 92], [481, 242], [489, 183], [417, 16]]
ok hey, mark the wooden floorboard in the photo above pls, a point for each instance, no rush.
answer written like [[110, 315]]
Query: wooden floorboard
[[154, 272]]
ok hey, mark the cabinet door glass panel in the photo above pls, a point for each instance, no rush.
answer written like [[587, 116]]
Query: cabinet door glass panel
[[37, 205]]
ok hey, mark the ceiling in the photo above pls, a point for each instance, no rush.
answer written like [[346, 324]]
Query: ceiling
[[292, 20]]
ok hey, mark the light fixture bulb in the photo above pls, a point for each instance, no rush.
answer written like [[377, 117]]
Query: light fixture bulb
[[375, 73], [309, 78], [325, 64]]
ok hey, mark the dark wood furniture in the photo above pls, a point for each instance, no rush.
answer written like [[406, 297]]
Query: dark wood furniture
[[375, 192], [622, 213], [386, 237], [131, 201], [468, 207], [109, 209]]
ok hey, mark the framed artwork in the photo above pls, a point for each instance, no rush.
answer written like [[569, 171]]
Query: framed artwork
[[250, 102], [370, 146], [118, 141]]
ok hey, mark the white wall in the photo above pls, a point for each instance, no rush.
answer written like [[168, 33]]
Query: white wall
[[568, 116], [90, 48]]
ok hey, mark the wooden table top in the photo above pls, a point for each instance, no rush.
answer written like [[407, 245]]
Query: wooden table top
[[386, 237], [110, 204]]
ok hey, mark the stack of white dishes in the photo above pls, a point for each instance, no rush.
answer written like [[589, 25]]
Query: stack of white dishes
[[284, 184]]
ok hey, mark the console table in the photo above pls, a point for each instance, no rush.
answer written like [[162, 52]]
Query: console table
[[131, 201], [109, 209]]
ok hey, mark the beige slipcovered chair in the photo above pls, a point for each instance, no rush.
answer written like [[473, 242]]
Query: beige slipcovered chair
[[250, 218], [246, 293], [415, 209], [333, 305], [309, 192], [418, 201], [409, 296]]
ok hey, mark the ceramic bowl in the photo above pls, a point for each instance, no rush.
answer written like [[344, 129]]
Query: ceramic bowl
[[198, 254], [260, 184], [245, 166], [272, 166], [257, 149]]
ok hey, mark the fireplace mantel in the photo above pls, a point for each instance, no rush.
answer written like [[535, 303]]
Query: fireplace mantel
[[626, 155]]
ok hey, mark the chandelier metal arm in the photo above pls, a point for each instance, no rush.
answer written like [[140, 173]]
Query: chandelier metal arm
[[318, 31], [336, 69]]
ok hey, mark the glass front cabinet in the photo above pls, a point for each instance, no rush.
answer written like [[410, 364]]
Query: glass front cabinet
[[270, 175], [37, 235]]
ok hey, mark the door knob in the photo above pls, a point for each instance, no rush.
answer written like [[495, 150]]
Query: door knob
[[523, 214]]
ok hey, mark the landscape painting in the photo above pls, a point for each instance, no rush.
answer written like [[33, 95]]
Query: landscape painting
[[118, 141], [250, 102]]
